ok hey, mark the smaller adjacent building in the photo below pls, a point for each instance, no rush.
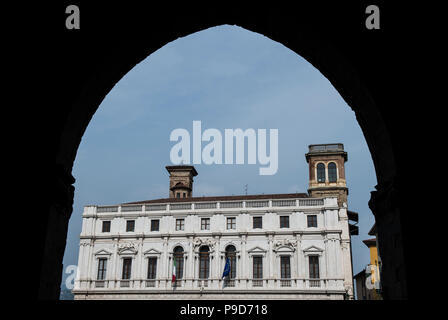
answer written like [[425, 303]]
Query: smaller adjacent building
[[368, 285]]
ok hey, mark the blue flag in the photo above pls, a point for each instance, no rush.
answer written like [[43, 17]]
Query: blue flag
[[226, 268]]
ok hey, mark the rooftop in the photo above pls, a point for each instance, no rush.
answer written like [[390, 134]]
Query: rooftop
[[182, 168], [326, 147], [225, 198], [370, 242]]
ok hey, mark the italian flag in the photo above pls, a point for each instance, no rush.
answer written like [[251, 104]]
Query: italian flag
[[174, 271]]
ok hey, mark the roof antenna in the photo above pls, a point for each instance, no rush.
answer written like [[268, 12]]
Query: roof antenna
[[245, 189]]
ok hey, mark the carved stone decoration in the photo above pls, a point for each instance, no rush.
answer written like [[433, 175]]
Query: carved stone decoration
[[344, 244], [285, 242], [127, 246], [84, 243], [197, 242], [349, 291]]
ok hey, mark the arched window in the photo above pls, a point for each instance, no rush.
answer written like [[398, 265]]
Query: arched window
[[320, 172], [332, 172], [204, 262], [178, 256], [231, 254]]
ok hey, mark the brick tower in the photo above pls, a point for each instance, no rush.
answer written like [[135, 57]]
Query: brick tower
[[181, 181], [327, 172]]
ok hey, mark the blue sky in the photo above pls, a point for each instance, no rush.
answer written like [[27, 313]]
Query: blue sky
[[226, 77]]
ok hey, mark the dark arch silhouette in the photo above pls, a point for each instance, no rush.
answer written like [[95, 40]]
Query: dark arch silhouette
[[99, 55]]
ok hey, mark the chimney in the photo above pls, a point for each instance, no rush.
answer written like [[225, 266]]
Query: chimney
[[181, 181]]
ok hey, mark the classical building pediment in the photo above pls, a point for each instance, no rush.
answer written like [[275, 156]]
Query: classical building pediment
[[257, 251], [313, 250], [152, 252], [103, 252]]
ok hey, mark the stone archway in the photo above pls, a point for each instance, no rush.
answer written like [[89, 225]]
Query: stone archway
[[99, 65]]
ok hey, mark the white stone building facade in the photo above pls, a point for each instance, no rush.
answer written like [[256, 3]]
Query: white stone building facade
[[280, 246], [329, 241]]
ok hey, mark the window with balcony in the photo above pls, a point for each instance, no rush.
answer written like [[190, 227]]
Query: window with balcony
[[314, 267], [257, 267], [152, 268], [231, 255], [285, 267], [102, 266], [204, 262], [127, 265], [285, 271], [178, 256]]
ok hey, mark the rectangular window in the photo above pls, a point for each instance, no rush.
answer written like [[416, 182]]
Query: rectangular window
[[285, 267], [127, 265], [185, 195], [205, 224], [258, 222], [179, 224], [130, 225], [312, 221], [178, 195], [231, 223], [258, 267], [314, 267], [155, 225], [106, 226], [102, 266], [284, 222], [152, 267]]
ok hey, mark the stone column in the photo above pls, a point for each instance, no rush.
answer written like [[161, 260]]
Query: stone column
[[300, 261], [296, 273], [139, 272], [347, 267], [218, 270], [385, 205], [244, 270], [83, 263], [55, 212], [89, 262], [190, 272], [270, 256], [80, 263], [165, 261]]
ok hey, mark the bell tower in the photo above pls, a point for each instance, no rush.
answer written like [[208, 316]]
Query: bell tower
[[181, 181], [327, 171]]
